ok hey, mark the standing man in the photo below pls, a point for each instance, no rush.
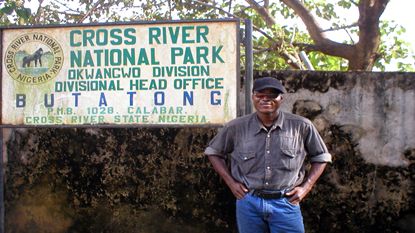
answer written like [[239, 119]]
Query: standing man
[[266, 151]]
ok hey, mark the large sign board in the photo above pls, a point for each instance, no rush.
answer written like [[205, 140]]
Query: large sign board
[[160, 73]]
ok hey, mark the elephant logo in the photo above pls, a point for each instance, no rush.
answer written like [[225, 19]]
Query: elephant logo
[[34, 58]]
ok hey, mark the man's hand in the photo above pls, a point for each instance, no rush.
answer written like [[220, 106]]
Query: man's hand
[[298, 193], [238, 189]]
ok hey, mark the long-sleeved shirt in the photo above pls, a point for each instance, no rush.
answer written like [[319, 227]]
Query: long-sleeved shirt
[[271, 159]]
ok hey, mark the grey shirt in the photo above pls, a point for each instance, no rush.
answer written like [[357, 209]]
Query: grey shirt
[[270, 160]]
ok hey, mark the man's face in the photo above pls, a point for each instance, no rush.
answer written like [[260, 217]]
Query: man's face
[[267, 101]]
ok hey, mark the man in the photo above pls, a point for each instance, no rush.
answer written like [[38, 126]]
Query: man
[[266, 151]]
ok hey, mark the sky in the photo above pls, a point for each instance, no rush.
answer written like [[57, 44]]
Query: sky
[[400, 11]]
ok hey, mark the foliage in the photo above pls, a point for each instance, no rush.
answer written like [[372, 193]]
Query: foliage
[[14, 11], [276, 46], [394, 49]]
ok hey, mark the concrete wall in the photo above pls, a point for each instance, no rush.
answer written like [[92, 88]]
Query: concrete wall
[[376, 109], [158, 180]]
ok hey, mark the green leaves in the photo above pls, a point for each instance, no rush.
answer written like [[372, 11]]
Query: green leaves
[[394, 51], [23, 12], [275, 50], [345, 4], [14, 11], [324, 62], [8, 10]]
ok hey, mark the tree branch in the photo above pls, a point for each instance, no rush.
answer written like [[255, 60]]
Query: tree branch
[[291, 60], [312, 26], [38, 12], [369, 33], [170, 10], [215, 7], [266, 3], [90, 11], [340, 28], [350, 36], [269, 20], [322, 43]]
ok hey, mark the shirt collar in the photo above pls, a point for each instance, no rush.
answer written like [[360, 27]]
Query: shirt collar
[[278, 123]]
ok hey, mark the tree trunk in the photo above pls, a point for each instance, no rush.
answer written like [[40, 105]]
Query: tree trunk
[[366, 49], [363, 54]]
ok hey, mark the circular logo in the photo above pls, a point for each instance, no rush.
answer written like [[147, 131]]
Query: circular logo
[[34, 58]]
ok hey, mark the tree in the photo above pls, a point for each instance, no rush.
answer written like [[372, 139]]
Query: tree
[[364, 54], [361, 55], [278, 42]]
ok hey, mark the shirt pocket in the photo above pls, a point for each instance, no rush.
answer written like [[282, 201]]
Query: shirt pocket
[[246, 161], [245, 156], [288, 153], [287, 142]]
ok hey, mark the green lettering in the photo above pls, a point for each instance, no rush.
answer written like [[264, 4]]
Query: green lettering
[[215, 54], [102, 37], [163, 110], [186, 34], [128, 55], [188, 56], [129, 33], [98, 53], [88, 61], [175, 51], [98, 74], [201, 32], [72, 38], [154, 34], [202, 53], [116, 38], [142, 57], [153, 57], [115, 57], [76, 58], [174, 34], [88, 36], [153, 85], [112, 86]]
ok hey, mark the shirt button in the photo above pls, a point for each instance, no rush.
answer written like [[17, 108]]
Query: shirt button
[[267, 151], [266, 183], [245, 158], [268, 136], [268, 168]]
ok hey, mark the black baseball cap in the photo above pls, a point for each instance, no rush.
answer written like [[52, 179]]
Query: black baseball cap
[[268, 82]]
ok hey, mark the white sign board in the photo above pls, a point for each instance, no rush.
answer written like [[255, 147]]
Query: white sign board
[[167, 73]]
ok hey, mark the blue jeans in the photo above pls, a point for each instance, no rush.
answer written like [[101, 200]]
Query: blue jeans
[[258, 215]]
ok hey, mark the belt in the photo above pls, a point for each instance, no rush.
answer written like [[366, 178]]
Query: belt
[[267, 194]]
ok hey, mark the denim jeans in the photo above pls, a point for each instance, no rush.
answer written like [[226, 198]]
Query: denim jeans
[[258, 215]]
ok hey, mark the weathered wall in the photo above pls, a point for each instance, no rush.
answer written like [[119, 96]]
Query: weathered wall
[[157, 180]]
